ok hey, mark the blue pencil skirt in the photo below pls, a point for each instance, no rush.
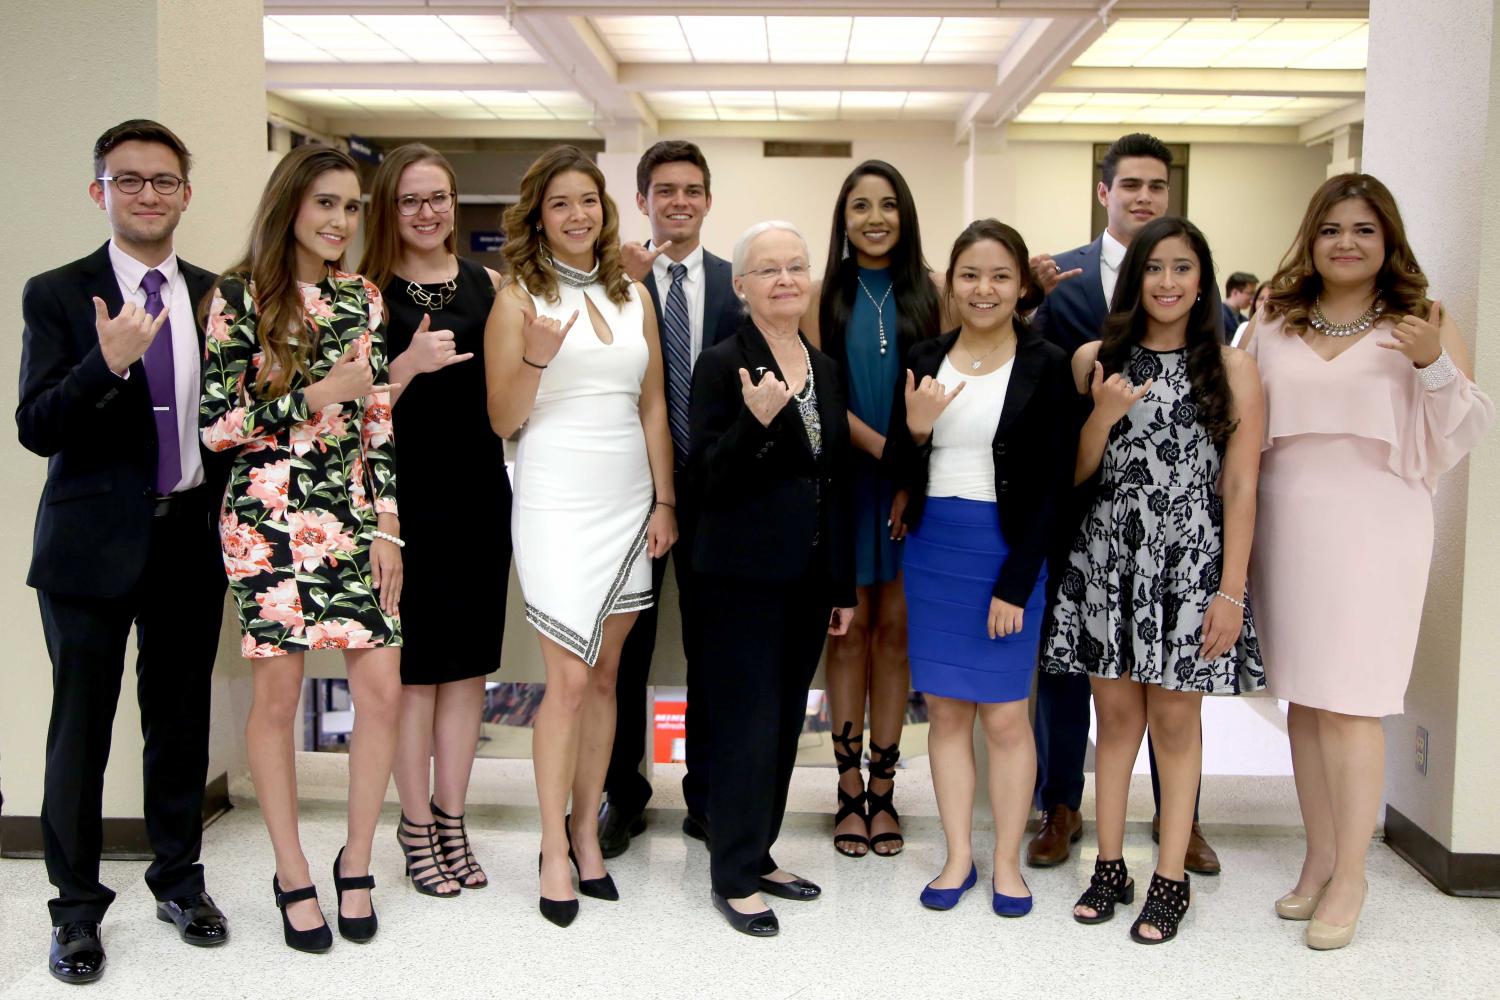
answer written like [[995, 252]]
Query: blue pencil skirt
[[950, 565]]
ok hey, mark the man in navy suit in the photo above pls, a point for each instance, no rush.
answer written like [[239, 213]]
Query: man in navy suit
[[125, 535], [1239, 292], [1080, 284], [696, 308]]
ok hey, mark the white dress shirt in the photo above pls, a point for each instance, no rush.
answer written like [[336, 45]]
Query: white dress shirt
[[186, 364], [692, 287], [1111, 254]]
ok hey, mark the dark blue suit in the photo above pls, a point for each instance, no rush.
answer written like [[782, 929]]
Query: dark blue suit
[[1072, 314], [628, 789]]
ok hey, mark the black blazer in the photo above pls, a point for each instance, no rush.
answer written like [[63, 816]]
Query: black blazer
[[1034, 447], [764, 497], [93, 525], [722, 309], [1074, 311]]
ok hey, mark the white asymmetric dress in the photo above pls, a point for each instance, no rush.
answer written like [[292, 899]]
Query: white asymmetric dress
[[582, 482]]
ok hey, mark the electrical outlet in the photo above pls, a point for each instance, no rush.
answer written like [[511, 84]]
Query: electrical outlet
[[1421, 750]]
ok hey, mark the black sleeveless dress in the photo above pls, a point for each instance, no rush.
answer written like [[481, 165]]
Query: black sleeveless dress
[[454, 493]]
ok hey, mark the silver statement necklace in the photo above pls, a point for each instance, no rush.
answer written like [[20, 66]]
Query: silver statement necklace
[[1327, 328], [879, 310], [433, 301], [572, 275]]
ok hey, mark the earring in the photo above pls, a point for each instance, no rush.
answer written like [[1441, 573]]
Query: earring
[[538, 227], [845, 254]]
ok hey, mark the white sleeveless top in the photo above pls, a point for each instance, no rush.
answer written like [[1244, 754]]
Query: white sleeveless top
[[963, 460]]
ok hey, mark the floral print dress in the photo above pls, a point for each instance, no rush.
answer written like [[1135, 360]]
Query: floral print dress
[[1147, 560], [306, 488]]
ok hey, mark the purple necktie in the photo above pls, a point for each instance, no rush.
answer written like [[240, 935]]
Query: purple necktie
[[161, 379]]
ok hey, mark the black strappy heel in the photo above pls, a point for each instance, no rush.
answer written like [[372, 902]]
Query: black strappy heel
[[1166, 904], [1111, 884], [424, 864], [883, 768], [454, 849], [846, 752]]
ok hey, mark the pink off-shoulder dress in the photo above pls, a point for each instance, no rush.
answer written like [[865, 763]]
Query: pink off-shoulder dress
[[1353, 452]]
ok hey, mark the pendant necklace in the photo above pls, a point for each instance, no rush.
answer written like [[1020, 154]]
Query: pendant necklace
[[879, 309]]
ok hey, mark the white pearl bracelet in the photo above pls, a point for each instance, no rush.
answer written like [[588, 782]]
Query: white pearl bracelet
[[387, 536], [1439, 373], [1237, 603]]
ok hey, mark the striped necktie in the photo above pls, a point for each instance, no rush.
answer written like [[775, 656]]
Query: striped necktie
[[678, 344]]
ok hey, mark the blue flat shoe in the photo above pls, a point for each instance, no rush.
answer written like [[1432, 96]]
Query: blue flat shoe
[[1010, 906], [947, 899]]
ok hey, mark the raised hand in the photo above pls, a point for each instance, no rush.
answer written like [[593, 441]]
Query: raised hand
[[1048, 274], [542, 337], [766, 399], [124, 339], [925, 403], [1114, 396], [1417, 338], [433, 349], [349, 379], [637, 260]]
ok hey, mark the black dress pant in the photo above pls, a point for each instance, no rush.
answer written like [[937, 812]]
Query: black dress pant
[[767, 640], [176, 608], [628, 789]]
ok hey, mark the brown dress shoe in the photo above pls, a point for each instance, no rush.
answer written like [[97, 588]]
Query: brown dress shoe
[[1201, 858], [1061, 828]]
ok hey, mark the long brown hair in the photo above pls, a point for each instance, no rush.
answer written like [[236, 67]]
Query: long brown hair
[[383, 230], [1400, 284], [270, 266], [526, 250]]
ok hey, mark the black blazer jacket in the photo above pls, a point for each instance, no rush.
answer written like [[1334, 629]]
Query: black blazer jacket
[[93, 526], [764, 497], [1034, 448]]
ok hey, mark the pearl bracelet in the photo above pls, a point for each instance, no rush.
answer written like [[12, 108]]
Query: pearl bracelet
[[394, 540], [1237, 603], [1439, 373]]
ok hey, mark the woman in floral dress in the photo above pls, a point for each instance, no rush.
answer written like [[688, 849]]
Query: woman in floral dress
[[311, 540]]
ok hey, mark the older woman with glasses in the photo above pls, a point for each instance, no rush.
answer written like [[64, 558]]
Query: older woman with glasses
[[770, 456]]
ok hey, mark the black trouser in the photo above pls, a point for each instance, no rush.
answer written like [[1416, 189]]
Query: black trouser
[[628, 789], [176, 608], [767, 641]]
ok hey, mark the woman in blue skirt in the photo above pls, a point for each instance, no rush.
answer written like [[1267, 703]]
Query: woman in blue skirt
[[990, 421]]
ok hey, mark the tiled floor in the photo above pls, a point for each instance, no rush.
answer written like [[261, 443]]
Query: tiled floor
[[867, 936]]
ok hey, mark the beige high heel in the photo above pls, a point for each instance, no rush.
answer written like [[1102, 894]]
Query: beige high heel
[[1330, 937], [1295, 907]]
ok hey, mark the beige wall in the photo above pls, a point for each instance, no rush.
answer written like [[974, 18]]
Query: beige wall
[[166, 59]]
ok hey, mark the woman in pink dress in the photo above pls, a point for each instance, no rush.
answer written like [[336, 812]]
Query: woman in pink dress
[[1369, 400]]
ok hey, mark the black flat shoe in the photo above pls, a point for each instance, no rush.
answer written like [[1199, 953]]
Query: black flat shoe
[[762, 924], [616, 827], [695, 827], [357, 929], [76, 954], [561, 912], [799, 889], [594, 888], [315, 941], [199, 922]]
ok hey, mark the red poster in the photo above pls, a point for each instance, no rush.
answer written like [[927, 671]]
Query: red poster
[[669, 741]]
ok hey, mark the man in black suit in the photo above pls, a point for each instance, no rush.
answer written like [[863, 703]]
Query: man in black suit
[[1080, 283], [125, 535], [696, 308]]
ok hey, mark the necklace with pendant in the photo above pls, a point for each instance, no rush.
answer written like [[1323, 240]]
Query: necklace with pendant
[[975, 362], [1327, 328], [435, 300], [879, 309]]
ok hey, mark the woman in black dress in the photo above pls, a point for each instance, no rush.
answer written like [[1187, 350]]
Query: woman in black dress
[[455, 499]]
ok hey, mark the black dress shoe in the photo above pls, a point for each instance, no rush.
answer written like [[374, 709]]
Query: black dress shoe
[[695, 827], [616, 827], [198, 920], [77, 954], [762, 924], [797, 889]]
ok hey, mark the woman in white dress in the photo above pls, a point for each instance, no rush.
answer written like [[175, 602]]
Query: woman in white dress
[[573, 366]]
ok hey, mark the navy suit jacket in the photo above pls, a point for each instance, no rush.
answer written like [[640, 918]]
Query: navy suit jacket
[[1074, 311], [722, 309]]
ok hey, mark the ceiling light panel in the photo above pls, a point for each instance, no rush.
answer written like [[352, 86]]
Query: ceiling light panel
[[808, 39], [726, 39], [644, 39], [1247, 43], [891, 39], [394, 38]]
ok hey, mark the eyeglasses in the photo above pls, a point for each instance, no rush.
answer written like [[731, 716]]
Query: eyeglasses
[[135, 183], [795, 270], [440, 201]]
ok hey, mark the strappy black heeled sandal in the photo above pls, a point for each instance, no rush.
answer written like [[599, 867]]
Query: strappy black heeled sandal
[[424, 865], [455, 851], [1111, 884], [846, 753], [883, 768], [1166, 904]]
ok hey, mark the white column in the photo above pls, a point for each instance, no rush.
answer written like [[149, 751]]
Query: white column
[[623, 146], [989, 176], [1348, 141]]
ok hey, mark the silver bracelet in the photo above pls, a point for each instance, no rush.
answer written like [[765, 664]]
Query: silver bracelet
[[1237, 603], [394, 540], [1439, 373]]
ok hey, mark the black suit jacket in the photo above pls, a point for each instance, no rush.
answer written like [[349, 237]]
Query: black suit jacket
[[722, 309], [764, 497], [1074, 311], [1034, 447], [93, 525]]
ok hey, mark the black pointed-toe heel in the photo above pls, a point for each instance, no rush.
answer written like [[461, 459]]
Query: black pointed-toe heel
[[356, 929], [558, 911], [1111, 884], [594, 888], [314, 941], [762, 924], [1166, 904]]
